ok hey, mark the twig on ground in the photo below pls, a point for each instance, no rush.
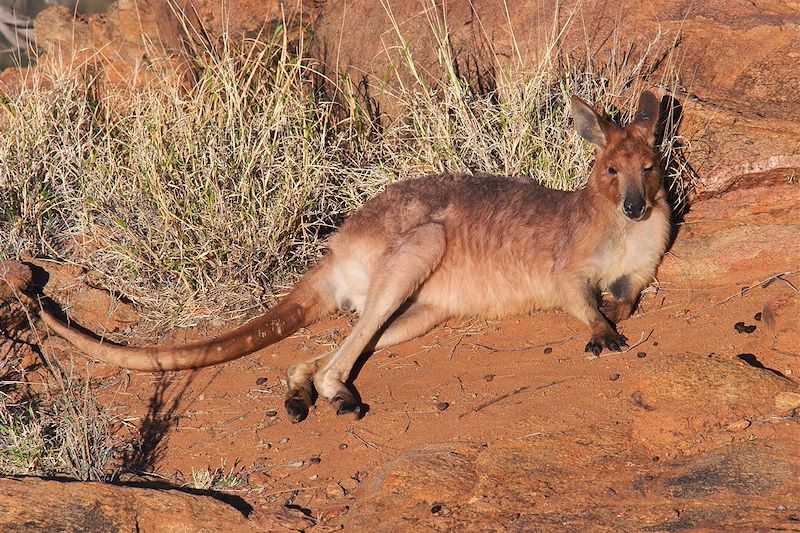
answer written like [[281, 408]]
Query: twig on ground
[[763, 283], [365, 442], [529, 347], [518, 390]]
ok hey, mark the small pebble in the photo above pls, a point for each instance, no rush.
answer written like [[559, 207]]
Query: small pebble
[[436, 509], [613, 377], [739, 425], [201, 397], [548, 350], [757, 317], [488, 377], [295, 464], [315, 460], [314, 477], [656, 459], [284, 440], [442, 406], [261, 381], [343, 446], [641, 355], [655, 343], [271, 413], [333, 490], [348, 484]]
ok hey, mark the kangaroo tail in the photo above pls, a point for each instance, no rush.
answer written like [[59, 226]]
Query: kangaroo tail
[[309, 300]]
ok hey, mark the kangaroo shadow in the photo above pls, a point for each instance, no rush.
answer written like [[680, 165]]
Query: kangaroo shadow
[[142, 456], [679, 175]]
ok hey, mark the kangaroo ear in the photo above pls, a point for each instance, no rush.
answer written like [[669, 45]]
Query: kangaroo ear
[[589, 124], [647, 115]]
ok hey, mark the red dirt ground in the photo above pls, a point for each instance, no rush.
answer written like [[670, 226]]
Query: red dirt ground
[[682, 391]]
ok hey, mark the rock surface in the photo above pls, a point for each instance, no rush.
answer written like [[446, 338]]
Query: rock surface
[[32, 504], [524, 487], [781, 315], [743, 236]]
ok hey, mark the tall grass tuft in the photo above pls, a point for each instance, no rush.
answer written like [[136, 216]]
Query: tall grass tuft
[[53, 426], [209, 200]]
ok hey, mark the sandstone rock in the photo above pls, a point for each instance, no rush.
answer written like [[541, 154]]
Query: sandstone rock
[[578, 483], [14, 279], [740, 237], [782, 317], [132, 34], [251, 18], [674, 389], [31, 504], [91, 307], [16, 306], [13, 81], [787, 401]]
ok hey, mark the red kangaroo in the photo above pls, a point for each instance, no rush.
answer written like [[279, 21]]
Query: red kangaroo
[[439, 247]]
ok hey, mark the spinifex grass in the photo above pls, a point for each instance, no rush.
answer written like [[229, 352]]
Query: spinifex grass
[[208, 200]]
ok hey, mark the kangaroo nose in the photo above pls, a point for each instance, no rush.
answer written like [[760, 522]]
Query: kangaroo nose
[[633, 207]]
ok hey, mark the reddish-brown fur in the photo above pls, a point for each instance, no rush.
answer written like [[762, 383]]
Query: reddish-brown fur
[[437, 247]]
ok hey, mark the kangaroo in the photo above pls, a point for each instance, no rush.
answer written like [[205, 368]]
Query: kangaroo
[[438, 247]]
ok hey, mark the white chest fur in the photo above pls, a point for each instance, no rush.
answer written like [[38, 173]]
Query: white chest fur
[[631, 248]]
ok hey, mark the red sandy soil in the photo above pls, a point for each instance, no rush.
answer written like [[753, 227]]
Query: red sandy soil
[[684, 388]]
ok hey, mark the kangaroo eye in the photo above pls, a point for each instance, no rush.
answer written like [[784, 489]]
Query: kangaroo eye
[[612, 171], [647, 170]]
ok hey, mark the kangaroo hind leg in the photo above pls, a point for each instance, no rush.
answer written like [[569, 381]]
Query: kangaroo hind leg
[[300, 382], [399, 273], [411, 322]]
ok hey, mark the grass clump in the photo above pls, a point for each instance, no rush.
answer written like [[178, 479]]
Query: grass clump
[[59, 430], [218, 479], [209, 200]]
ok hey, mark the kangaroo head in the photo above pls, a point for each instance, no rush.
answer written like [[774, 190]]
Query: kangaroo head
[[626, 171]]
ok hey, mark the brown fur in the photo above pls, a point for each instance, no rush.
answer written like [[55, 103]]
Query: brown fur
[[437, 247]]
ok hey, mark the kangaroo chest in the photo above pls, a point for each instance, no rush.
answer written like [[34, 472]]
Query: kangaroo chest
[[631, 249]]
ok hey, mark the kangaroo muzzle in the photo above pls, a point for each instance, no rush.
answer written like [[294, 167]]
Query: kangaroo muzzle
[[634, 206]]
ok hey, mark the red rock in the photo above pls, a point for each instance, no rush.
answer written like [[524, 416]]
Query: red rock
[[781, 315], [741, 237], [32, 504], [16, 306]]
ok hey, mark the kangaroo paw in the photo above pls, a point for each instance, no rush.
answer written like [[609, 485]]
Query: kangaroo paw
[[614, 342]]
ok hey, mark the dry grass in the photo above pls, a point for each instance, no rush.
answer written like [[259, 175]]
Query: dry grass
[[52, 425], [219, 479]]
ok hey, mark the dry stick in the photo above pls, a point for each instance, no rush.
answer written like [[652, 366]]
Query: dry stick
[[768, 281], [518, 390], [368, 444], [529, 347]]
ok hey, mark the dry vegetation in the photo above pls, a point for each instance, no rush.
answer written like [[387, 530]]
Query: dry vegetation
[[209, 200]]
